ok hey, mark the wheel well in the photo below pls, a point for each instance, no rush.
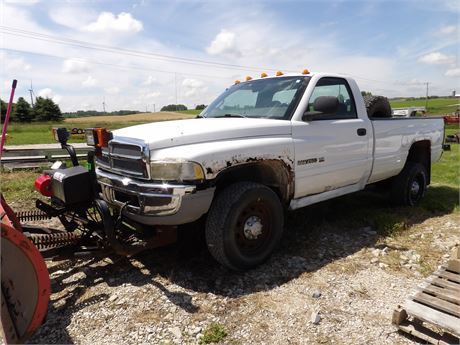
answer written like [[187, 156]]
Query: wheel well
[[273, 173], [420, 152]]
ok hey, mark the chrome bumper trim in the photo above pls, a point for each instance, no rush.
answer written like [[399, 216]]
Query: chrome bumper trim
[[153, 199]]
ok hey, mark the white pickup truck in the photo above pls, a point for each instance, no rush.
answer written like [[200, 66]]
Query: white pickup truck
[[263, 146]]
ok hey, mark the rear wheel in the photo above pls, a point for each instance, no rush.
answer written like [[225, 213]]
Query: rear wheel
[[409, 187], [244, 225]]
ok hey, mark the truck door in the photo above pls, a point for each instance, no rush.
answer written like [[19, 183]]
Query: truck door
[[331, 150]]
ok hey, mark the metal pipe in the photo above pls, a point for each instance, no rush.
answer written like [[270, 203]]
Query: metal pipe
[[7, 117]]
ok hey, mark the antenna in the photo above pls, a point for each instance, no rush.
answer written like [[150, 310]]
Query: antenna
[[31, 91]]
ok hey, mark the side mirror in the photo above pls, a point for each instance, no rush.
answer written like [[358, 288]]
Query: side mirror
[[323, 105]]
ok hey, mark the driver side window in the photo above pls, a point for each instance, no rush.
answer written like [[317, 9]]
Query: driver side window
[[336, 87]]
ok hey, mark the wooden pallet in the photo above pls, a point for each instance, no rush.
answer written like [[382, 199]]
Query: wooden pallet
[[432, 313]]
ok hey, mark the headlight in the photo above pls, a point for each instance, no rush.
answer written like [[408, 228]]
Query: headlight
[[176, 171]]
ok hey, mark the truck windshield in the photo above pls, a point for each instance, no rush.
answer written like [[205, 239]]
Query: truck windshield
[[274, 98]]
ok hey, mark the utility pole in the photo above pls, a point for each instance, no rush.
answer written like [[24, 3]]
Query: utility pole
[[175, 86], [31, 91], [154, 108], [103, 105], [426, 100]]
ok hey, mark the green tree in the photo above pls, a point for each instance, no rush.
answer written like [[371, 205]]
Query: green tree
[[46, 110], [174, 107], [200, 107], [366, 93], [22, 112], [4, 106]]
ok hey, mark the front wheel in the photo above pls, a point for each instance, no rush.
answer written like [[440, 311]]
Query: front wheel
[[244, 225], [409, 187]]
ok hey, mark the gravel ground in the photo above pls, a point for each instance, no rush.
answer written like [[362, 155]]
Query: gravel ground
[[328, 287]]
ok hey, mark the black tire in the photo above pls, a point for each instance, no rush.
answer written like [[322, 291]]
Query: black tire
[[244, 225], [377, 107], [409, 187]]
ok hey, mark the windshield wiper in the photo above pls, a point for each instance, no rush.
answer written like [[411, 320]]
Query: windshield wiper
[[233, 115]]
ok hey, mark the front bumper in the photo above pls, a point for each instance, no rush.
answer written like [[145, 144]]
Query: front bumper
[[154, 203]]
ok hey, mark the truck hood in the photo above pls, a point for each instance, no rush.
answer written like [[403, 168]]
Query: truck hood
[[158, 135]]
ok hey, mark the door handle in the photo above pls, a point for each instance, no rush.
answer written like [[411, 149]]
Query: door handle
[[361, 131]]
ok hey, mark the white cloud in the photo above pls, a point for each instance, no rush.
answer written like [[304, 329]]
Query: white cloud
[[437, 58], [112, 90], [73, 17], [150, 95], [149, 81], [89, 82], [108, 22], [224, 44], [448, 30], [193, 87], [454, 72], [13, 64], [22, 2], [451, 5], [74, 66], [49, 93]]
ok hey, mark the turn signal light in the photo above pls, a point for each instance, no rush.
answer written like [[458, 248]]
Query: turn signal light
[[248, 78], [279, 73], [98, 137], [305, 71], [263, 75]]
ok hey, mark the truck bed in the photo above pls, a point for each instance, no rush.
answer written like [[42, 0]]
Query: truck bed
[[393, 138]]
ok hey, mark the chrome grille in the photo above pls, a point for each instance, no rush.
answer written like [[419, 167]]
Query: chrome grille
[[128, 159]]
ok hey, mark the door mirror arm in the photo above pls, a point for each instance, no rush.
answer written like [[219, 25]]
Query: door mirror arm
[[310, 115]]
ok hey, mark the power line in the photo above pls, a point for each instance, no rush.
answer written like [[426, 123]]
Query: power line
[[117, 65], [124, 51], [131, 52]]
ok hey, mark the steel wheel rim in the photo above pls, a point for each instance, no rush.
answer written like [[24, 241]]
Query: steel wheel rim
[[253, 243], [416, 189]]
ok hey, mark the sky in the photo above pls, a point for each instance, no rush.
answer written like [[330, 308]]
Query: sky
[[141, 55]]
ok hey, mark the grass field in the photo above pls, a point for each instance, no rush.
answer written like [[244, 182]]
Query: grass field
[[40, 133], [141, 117], [436, 106]]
